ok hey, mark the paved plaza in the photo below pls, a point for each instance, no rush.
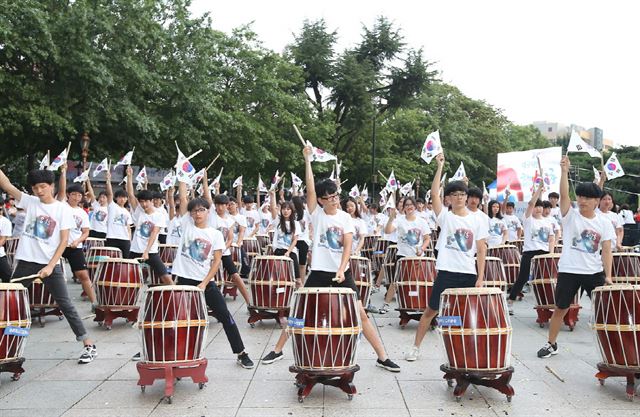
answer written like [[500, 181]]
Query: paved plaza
[[55, 385]]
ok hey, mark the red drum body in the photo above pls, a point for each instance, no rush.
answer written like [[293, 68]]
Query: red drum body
[[92, 242], [616, 320], [390, 263], [360, 268], [173, 323], [39, 296], [324, 325], [167, 253], [379, 253], [117, 283], [482, 341], [544, 269], [414, 282], [272, 282], [251, 247], [11, 245], [626, 268], [518, 244], [510, 256], [264, 242], [236, 254], [494, 274], [97, 254], [369, 246], [14, 312]]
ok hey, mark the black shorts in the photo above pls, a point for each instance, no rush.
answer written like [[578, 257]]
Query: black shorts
[[324, 279], [75, 256], [303, 251], [154, 262], [228, 265], [5, 270], [162, 239], [569, 284], [123, 245], [447, 279], [99, 235]]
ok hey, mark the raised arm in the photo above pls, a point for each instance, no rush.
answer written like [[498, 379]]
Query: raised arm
[[389, 227], [9, 188], [184, 200], [312, 201], [565, 201], [532, 202], [239, 195], [436, 202], [92, 195], [108, 187], [205, 189], [62, 184], [272, 204], [130, 191]]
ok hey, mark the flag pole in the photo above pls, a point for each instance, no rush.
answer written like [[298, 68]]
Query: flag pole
[[382, 175], [299, 135], [212, 162]]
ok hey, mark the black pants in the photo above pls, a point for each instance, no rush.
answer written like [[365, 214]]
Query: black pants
[[525, 271], [215, 301], [100, 235], [293, 256], [5, 270], [123, 245]]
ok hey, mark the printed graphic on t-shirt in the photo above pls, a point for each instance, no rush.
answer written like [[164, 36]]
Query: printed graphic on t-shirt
[[284, 239], [356, 234], [120, 219], [146, 228], [250, 222], [176, 231], [461, 239], [558, 218], [512, 225], [588, 241], [303, 225], [331, 239], [541, 234], [411, 238], [496, 229], [40, 227], [100, 215], [198, 249], [264, 222], [78, 221], [224, 231]]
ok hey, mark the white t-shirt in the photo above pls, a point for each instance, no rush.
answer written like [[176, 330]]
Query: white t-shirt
[[304, 227], [513, 224], [118, 221], [536, 233], [360, 231], [145, 223], [615, 222], [99, 217], [626, 217], [496, 228], [253, 221], [429, 216], [556, 224], [393, 236], [81, 220], [196, 250], [165, 214], [18, 223], [555, 213], [265, 221], [582, 243], [5, 231], [174, 231], [223, 225], [457, 242], [328, 235], [283, 240], [42, 227], [410, 234], [240, 221]]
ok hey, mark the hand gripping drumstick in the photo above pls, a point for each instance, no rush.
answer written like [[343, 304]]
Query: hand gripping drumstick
[[34, 276]]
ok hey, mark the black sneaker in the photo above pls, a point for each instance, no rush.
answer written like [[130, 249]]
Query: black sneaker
[[272, 357], [245, 361], [547, 350], [388, 365], [137, 357], [89, 353]]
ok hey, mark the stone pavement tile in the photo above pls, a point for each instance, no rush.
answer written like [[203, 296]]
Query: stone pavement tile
[[167, 410], [108, 412], [284, 412], [453, 410], [117, 350], [99, 370], [30, 412], [228, 394], [362, 412], [44, 394], [278, 394], [122, 395], [436, 395], [276, 371], [53, 350], [229, 370], [534, 396], [124, 334], [421, 370], [33, 369], [127, 372]]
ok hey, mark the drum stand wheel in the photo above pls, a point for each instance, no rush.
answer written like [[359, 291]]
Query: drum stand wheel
[[172, 372], [306, 379], [407, 314], [229, 288], [498, 380], [258, 314], [545, 313], [42, 311], [106, 314], [14, 366], [605, 371]]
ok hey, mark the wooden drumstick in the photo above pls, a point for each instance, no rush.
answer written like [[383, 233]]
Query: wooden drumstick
[[336, 279], [34, 276], [550, 369]]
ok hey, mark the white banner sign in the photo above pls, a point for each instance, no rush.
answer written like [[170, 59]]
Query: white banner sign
[[518, 171]]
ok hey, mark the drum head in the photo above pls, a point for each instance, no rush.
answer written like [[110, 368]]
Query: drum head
[[472, 291], [174, 288], [11, 286], [325, 290]]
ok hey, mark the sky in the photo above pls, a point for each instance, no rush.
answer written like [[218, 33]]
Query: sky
[[562, 61]]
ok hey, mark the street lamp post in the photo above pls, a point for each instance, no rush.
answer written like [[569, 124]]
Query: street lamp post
[[373, 160], [84, 145]]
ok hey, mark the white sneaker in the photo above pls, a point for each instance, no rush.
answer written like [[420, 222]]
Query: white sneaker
[[412, 354], [510, 307]]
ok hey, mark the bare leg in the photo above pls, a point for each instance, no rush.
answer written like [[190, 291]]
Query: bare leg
[[371, 334], [388, 297], [379, 278], [423, 326], [303, 272], [282, 340], [83, 277], [556, 323], [243, 290]]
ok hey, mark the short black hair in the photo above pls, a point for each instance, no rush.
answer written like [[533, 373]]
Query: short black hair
[[539, 203], [158, 194], [546, 204], [419, 200], [38, 176], [553, 194], [75, 188], [102, 193], [454, 187], [588, 190], [120, 193], [247, 199], [221, 199], [198, 202], [475, 192], [145, 195], [511, 204], [326, 187], [232, 199]]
